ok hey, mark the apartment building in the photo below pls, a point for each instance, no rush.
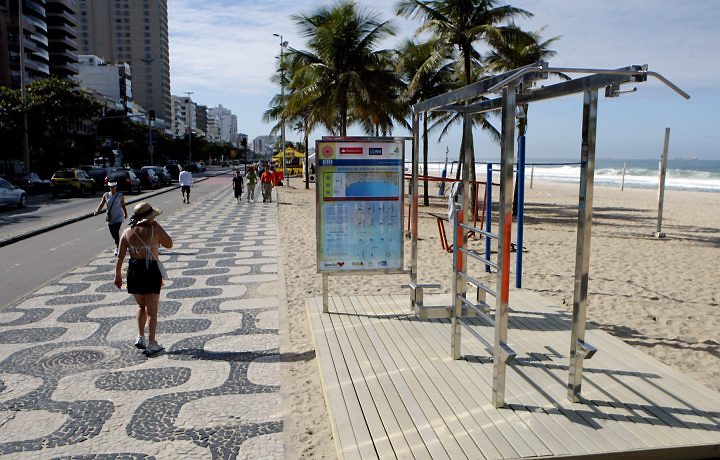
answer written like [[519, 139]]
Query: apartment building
[[113, 81], [49, 46], [135, 32], [184, 116]]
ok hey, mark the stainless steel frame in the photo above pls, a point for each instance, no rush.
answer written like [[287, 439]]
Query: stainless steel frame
[[473, 99]]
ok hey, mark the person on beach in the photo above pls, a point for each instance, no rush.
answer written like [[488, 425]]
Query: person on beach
[[144, 277], [116, 212], [251, 181], [238, 185], [185, 180], [267, 181]]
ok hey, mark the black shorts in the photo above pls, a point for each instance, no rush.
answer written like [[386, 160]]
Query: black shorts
[[143, 278], [185, 188]]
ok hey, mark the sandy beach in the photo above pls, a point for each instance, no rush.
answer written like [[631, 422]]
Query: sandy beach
[[659, 295]]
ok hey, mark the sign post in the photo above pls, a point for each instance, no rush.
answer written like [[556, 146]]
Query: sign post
[[359, 206]]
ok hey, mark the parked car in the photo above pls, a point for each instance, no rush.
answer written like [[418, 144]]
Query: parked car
[[225, 164], [162, 173], [195, 168], [148, 178], [126, 179], [11, 195], [74, 181], [99, 175], [32, 183], [174, 170]]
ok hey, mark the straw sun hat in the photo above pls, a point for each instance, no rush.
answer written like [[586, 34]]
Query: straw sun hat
[[143, 212]]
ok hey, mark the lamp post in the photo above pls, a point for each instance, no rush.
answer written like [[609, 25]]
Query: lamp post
[[151, 150], [189, 122], [21, 34], [283, 45]]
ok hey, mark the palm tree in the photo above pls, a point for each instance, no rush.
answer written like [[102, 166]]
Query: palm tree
[[428, 73], [459, 24], [344, 77], [515, 48]]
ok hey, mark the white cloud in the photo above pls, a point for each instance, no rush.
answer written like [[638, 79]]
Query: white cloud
[[225, 52]]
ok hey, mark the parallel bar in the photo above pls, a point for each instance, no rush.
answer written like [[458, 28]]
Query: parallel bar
[[488, 211], [482, 308], [325, 284], [477, 283], [520, 214], [661, 184], [470, 91], [480, 231], [414, 199], [475, 255], [582, 252], [507, 155]]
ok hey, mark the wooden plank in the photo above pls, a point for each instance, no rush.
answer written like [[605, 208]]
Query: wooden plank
[[639, 434], [463, 424], [409, 429], [376, 443], [475, 397], [345, 442], [554, 433], [391, 443], [437, 435], [635, 391], [487, 424]]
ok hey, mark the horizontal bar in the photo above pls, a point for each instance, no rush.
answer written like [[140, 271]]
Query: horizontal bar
[[481, 307], [476, 255], [422, 286], [477, 283], [470, 91], [507, 354], [440, 312], [479, 230], [586, 351]]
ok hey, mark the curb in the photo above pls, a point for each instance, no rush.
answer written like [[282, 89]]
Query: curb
[[38, 231]]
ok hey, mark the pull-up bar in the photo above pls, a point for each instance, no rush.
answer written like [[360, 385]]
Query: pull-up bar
[[515, 88]]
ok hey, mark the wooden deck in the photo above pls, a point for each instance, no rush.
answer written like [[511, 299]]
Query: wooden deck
[[392, 390]]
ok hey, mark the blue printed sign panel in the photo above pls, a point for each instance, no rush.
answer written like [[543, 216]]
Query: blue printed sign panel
[[360, 205]]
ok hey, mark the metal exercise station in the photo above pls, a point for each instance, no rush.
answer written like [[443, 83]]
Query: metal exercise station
[[506, 92]]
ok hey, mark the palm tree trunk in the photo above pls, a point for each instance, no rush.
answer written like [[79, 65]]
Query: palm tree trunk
[[468, 77]]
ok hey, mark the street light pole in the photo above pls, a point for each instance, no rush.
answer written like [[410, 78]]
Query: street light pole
[[21, 34], [187, 109], [283, 45], [151, 150]]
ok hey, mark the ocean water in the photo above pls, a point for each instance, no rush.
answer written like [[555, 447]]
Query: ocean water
[[697, 175]]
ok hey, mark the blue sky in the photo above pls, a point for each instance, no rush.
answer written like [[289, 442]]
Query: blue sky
[[225, 52]]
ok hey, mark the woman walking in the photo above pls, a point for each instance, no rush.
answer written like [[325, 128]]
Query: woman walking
[[116, 211], [144, 278]]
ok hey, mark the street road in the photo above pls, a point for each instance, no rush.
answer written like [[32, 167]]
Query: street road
[[31, 263]]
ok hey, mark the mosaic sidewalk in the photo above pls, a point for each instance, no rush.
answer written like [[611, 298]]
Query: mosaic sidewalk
[[73, 386]]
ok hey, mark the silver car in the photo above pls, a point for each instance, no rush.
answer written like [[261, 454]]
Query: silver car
[[11, 195]]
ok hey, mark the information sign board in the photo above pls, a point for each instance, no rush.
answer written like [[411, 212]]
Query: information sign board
[[359, 204]]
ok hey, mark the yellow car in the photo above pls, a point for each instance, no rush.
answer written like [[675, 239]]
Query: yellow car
[[73, 181]]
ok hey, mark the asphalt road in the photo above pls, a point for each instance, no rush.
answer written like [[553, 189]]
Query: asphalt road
[[31, 263]]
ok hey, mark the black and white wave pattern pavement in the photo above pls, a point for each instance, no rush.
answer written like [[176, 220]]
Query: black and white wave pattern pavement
[[72, 386]]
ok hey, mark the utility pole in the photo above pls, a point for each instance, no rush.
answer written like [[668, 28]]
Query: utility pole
[[21, 36], [151, 149], [283, 45], [189, 123]]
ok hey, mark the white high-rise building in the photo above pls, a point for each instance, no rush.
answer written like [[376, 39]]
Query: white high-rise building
[[264, 144], [183, 116], [226, 123], [112, 81]]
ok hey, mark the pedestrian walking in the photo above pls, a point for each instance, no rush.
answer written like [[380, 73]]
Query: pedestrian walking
[[252, 178], [238, 185], [267, 181], [185, 180], [145, 273], [115, 213]]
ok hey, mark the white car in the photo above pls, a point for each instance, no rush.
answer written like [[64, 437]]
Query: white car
[[11, 195]]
